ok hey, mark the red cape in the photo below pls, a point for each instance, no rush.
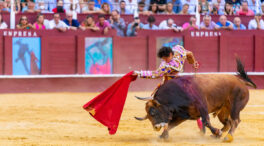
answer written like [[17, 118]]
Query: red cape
[[107, 107]]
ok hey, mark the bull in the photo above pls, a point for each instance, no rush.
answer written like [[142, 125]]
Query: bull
[[191, 97]]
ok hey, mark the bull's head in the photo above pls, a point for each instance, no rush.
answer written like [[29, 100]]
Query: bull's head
[[156, 113]]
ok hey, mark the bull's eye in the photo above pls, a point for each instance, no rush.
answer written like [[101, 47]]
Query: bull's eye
[[152, 112]]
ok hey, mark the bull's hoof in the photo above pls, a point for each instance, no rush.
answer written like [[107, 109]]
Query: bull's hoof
[[228, 138], [218, 133]]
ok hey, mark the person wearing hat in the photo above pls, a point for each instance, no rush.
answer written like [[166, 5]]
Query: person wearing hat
[[150, 25], [134, 26], [256, 23]]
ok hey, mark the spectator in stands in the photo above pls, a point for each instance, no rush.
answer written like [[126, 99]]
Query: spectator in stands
[[90, 8], [191, 5], [23, 23], [16, 7], [229, 10], [74, 8], [208, 23], [238, 25], [147, 4], [39, 24], [59, 8], [161, 5], [41, 7], [132, 5], [103, 24], [30, 8], [221, 5], [215, 10], [122, 8], [89, 24], [224, 24], [191, 25], [141, 10], [115, 4], [169, 24], [69, 6], [72, 23], [134, 26], [3, 25], [151, 23], [204, 6], [262, 8], [177, 5], [105, 9], [252, 4], [99, 3], [56, 23], [169, 9], [5, 7], [117, 23], [153, 8], [256, 23], [245, 10], [185, 9], [49, 4], [1, 5], [235, 4], [232, 2]]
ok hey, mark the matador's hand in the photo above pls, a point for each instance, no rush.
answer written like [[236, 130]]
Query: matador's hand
[[196, 65], [135, 73]]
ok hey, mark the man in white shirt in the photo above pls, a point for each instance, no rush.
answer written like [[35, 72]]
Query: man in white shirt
[[256, 23], [169, 24], [56, 23], [131, 5]]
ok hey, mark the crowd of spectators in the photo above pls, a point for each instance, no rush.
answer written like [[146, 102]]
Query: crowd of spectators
[[115, 8], [146, 7]]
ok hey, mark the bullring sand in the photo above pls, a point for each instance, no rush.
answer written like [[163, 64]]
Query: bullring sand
[[58, 119]]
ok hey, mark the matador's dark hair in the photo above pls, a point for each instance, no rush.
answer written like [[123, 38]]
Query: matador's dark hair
[[164, 52]]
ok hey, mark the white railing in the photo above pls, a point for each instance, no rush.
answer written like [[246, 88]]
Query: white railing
[[109, 75]]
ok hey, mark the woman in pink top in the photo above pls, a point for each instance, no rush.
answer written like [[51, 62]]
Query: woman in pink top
[[191, 25], [40, 22]]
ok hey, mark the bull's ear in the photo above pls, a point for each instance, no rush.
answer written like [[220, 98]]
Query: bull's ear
[[155, 103]]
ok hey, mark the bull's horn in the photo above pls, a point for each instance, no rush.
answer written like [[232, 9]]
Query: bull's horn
[[144, 98], [141, 119]]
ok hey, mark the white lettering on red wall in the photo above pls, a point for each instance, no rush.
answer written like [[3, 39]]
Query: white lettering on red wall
[[20, 33], [205, 33]]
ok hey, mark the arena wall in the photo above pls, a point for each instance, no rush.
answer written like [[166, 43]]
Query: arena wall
[[63, 53]]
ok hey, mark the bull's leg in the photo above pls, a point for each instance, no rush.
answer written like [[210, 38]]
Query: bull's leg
[[240, 100], [229, 136], [165, 133], [206, 122], [223, 116]]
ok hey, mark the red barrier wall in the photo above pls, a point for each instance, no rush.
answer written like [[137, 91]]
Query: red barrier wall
[[206, 51], [243, 46], [259, 51], [129, 54], [63, 53], [1, 55], [59, 55]]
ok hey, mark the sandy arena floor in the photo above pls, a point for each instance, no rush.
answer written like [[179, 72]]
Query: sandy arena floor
[[58, 119]]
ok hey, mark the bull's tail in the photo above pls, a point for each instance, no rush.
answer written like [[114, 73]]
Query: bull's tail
[[243, 74]]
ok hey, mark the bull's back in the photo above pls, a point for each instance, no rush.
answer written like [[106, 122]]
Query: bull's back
[[218, 89]]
